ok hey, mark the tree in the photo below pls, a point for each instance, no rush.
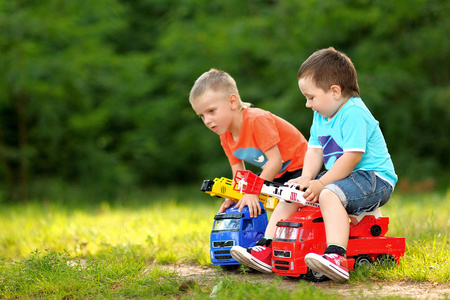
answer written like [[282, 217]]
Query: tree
[[97, 92], [62, 87]]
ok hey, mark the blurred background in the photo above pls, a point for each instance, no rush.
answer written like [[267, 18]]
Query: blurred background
[[95, 93]]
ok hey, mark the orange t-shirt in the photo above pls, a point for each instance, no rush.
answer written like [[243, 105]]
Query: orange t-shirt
[[260, 131]]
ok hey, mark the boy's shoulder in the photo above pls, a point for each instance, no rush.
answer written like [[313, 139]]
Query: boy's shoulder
[[253, 113], [256, 111], [355, 105], [358, 102], [258, 115]]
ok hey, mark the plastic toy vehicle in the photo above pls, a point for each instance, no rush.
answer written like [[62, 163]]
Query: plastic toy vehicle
[[304, 232], [223, 187], [233, 227]]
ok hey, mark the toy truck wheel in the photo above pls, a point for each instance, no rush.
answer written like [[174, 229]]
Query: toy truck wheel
[[375, 230], [315, 276], [363, 261], [230, 268], [385, 261]]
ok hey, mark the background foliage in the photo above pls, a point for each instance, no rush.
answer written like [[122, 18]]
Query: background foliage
[[96, 92]]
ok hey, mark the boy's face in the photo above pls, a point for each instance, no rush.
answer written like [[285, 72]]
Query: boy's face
[[216, 110], [325, 103]]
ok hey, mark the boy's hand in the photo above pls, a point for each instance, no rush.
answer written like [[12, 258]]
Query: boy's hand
[[225, 205], [313, 189], [300, 181], [252, 201]]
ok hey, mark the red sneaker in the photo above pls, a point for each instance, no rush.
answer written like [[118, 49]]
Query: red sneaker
[[258, 257], [332, 265]]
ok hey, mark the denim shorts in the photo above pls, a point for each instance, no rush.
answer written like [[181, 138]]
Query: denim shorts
[[361, 191]]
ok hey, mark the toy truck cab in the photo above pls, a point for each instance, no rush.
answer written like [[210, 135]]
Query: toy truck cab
[[304, 232], [235, 228]]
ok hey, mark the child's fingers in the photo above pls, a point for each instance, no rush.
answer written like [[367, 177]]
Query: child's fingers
[[256, 210], [238, 205]]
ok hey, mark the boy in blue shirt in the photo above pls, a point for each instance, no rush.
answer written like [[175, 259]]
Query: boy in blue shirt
[[347, 139]]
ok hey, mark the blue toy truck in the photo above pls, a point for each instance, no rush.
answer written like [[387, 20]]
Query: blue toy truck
[[233, 228]]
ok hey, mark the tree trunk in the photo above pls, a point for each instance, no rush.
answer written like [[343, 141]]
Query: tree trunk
[[22, 146], [4, 160]]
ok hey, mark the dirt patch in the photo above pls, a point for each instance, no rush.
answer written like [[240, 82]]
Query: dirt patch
[[412, 290]]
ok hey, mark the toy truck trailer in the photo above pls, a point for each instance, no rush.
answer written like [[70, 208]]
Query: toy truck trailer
[[233, 227], [304, 232]]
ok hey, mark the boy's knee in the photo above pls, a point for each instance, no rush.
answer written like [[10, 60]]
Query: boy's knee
[[327, 197], [289, 207]]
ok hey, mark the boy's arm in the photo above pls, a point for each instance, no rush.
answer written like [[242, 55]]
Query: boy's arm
[[228, 202], [313, 163], [269, 171], [237, 167], [273, 165], [311, 167], [343, 166]]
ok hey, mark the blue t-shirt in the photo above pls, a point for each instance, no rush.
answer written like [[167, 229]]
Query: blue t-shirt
[[353, 129]]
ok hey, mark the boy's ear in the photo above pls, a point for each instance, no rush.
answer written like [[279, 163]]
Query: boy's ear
[[234, 101], [336, 91]]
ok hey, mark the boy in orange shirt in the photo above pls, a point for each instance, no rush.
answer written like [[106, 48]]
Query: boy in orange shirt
[[254, 136]]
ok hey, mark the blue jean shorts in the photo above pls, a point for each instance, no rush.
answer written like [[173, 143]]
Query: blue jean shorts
[[361, 191]]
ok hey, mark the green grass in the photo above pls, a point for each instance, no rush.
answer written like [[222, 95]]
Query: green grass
[[64, 247]]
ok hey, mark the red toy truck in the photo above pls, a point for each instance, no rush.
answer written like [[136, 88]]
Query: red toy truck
[[304, 232]]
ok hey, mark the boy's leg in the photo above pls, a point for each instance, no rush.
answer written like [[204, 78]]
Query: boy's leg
[[333, 263], [335, 218], [260, 256], [361, 191], [283, 211]]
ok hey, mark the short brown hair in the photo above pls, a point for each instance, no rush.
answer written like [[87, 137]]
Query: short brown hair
[[329, 66], [215, 80]]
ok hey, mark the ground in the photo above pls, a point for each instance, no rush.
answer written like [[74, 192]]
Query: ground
[[412, 290]]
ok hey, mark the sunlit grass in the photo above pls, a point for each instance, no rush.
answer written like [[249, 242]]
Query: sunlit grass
[[423, 220], [108, 249], [162, 230]]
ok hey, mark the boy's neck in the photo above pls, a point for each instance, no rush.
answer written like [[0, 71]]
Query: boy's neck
[[343, 100], [236, 125]]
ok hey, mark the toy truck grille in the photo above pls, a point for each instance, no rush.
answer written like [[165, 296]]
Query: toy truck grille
[[222, 254], [280, 253], [221, 244]]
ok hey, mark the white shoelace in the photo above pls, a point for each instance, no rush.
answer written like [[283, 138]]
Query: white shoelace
[[259, 248]]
